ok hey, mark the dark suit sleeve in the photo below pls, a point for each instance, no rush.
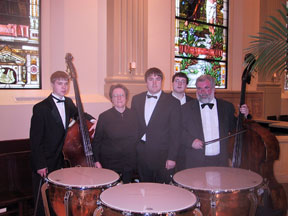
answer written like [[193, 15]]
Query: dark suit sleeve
[[74, 110], [174, 130], [135, 107], [188, 125], [233, 119], [37, 131], [189, 98], [96, 142]]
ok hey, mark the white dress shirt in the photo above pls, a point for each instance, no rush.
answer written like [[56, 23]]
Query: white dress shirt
[[210, 126], [61, 109], [182, 100], [150, 104]]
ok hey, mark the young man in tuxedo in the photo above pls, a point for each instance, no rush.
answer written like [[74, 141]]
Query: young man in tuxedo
[[179, 84], [205, 119], [158, 115], [49, 125]]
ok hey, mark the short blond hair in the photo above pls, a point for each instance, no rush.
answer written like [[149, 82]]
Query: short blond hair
[[59, 75]]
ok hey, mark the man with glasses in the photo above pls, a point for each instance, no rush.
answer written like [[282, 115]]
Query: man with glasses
[[180, 82]]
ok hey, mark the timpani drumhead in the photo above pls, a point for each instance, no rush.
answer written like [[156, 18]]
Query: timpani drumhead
[[217, 179], [83, 177], [148, 198]]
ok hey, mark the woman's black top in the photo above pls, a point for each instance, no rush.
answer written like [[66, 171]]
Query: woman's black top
[[114, 143]]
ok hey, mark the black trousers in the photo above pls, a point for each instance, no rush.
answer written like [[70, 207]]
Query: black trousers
[[157, 176]]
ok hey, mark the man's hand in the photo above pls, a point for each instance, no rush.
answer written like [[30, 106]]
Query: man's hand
[[244, 110], [93, 127], [98, 165], [170, 164], [42, 172], [197, 144]]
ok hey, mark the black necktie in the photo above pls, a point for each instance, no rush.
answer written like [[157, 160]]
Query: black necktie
[[58, 100], [151, 96], [210, 105]]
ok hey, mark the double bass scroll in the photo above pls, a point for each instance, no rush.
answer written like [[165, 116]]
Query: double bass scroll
[[77, 148]]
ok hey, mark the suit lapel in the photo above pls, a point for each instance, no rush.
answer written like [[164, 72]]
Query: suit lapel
[[54, 111], [67, 113], [157, 108], [221, 116], [142, 109], [197, 117]]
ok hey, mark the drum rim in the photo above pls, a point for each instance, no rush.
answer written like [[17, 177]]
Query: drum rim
[[75, 186], [230, 190], [212, 191], [84, 187], [194, 206], [154, 212]]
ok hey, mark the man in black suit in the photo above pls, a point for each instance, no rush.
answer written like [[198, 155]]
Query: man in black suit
[[205, 119], [158, 115], [179, 84], [49, 125]]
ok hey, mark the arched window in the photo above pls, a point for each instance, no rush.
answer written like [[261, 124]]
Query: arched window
[[201, 39]]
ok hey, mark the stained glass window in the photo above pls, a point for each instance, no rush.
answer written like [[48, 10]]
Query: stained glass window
[[286, 70], [20, 44], [201, 39]]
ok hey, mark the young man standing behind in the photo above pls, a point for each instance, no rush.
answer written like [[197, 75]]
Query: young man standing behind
[[180, 82]]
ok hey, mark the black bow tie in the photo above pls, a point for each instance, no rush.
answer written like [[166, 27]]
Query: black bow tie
[[210, 105], [151, 96], [58, 100]]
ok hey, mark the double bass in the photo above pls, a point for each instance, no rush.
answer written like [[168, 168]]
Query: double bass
[[256, 150], [77, 147]]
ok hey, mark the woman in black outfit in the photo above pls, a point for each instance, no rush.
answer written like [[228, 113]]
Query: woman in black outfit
[[114, 143]]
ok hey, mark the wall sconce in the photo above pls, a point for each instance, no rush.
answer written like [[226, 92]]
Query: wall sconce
[[274, 77], [131, 66]]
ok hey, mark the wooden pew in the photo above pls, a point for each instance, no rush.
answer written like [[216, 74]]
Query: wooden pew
[[16, 195]]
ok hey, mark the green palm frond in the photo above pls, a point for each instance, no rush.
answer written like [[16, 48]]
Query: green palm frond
[[270, 46]]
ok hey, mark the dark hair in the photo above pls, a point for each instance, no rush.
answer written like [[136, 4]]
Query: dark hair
[[155, 71], [208, 77], [59, 75], [118, 86], [180, 74]]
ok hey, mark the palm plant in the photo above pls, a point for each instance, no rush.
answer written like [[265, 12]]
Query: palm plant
[[270, 46]]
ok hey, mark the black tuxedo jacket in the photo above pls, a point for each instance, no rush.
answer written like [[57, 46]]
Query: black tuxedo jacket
[[47, 133], [188, 98], [162, 132], [192, 129]]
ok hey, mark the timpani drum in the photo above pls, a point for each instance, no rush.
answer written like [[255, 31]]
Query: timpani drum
[[148, 199], [75, 191], [222, 190]]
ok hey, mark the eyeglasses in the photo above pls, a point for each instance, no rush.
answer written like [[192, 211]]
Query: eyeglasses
[[180, 81], [118, 95]]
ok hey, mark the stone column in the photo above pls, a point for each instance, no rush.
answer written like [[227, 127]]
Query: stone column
[[126, 44]]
